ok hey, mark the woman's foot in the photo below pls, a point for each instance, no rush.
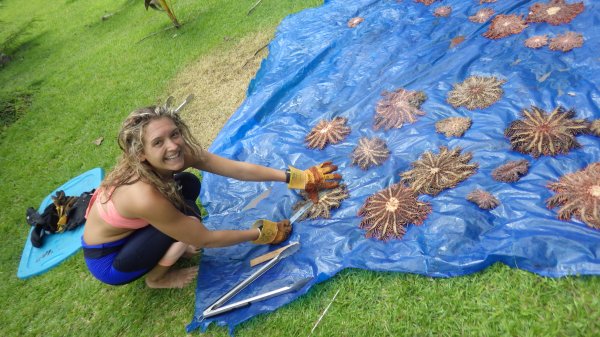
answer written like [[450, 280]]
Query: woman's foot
[[191, 251], [175, 278]]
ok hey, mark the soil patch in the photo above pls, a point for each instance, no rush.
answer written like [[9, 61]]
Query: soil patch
[[12, 107], [219, 82]]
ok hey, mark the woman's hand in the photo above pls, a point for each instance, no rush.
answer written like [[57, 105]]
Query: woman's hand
[[314, 179], [272, 232]]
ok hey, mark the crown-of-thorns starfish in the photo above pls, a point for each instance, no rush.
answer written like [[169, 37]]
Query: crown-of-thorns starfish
[[476, 92], [482, 15], [456, 41], [453, 126], [355, 21], [505, 25], [433, 173], [537, 41], [511, 171], [566, 41], [442, 11], [398, 108], [327, 132], [387, 213], [578, 195], [328, 199], [483, 199], [555, 12], [370, 152], [539, 133], [595, 127], [426, 2]]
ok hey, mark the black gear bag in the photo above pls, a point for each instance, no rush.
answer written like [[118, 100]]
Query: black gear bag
[[64, 213]]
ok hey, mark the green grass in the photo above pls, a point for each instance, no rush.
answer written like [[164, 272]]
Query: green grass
[[82, 78]]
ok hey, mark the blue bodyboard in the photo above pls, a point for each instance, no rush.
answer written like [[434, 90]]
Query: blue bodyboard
[[57, 247]]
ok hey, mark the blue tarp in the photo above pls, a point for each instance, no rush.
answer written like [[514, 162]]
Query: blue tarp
[[319, 68]]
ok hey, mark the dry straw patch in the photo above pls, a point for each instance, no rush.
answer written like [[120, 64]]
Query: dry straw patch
[[219, 82]]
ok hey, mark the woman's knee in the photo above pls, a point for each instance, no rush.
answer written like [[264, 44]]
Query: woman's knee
[[173, 254]]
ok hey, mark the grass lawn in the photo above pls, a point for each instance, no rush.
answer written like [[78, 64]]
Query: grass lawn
[[73, 76]]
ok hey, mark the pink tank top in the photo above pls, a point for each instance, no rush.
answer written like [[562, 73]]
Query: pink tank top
[[112, 216]]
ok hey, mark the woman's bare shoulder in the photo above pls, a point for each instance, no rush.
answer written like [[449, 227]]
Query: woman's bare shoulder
[[134, 200]]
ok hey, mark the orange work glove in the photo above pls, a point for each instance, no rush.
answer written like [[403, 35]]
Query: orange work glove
[[314, 179], [272, 232]]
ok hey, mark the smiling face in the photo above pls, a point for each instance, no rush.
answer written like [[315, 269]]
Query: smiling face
[[163, 146]]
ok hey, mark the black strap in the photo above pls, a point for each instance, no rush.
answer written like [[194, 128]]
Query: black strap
[[96, 253], [287, 176]]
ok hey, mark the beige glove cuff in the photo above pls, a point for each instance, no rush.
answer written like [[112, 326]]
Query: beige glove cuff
[[298, 179], [267, 233]]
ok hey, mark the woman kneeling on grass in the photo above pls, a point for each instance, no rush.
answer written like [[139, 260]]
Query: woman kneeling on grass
[[143, 217]]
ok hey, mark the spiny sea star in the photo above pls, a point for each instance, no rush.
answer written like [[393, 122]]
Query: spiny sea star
[[327, 132], [453, 126], [476, 92], [482, 15], [397, 108], [456, 40], [355, 21], [541, 134], [537, 41], [505, 25], [483, 199], [555, 12], [370, 152], [511, 171], [432, 173], [578, 195], [595, 127], [387, 213], [328, 199], [566, 42], [443, 11], [426, 2]]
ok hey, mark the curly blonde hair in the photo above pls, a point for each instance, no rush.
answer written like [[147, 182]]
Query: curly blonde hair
[[130, 169]]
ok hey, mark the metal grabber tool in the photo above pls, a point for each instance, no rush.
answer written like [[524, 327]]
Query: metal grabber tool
[[218, 307], [171, 100], [188, 99]]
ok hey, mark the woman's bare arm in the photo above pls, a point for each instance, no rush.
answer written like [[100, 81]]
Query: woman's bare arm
[[160, 213], [239, 170]]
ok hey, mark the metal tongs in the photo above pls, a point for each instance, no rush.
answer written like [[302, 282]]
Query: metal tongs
[[217, 307], [171, 100]]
